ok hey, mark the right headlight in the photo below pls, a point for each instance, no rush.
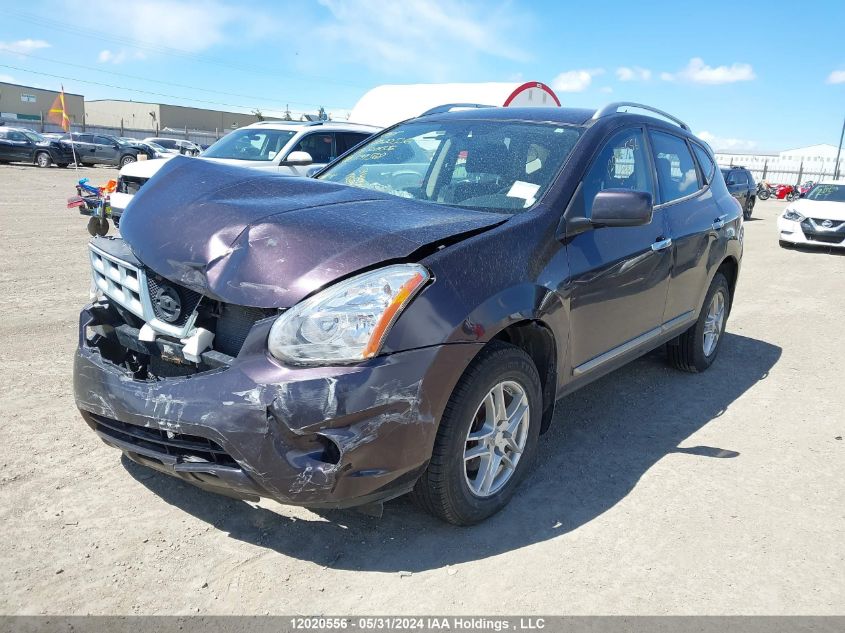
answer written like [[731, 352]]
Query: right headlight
[[348, 321], [792, 214]]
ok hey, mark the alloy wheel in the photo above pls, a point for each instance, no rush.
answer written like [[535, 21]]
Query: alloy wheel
[[714, 322], [496, 438]]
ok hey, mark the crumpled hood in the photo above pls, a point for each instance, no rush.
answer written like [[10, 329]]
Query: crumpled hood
[[269, 240]]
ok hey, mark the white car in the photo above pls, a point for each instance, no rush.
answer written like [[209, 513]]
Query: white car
[[816, 219], [288, 147]]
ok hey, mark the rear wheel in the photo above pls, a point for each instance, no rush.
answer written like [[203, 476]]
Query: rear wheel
[[749, 208], [487, 439], [696, 349], [42, 159], [785, 244], [763, 194]]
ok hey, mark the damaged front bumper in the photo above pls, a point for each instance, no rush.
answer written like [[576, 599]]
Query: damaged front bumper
[[318, 437]]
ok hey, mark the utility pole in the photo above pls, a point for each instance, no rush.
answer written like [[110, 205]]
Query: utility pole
[[838, 152]]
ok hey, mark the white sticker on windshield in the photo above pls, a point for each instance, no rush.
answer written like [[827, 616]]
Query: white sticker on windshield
[[524, 190]]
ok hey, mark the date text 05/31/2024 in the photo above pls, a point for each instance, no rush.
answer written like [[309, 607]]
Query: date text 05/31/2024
[[385, 623]]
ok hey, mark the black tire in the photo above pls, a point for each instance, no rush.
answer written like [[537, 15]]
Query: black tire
[[687, 351], [98, 227], [763, 194], [749, 208], [443, 489], [785, 244], [125, 160], [62, 165], [42, 159]]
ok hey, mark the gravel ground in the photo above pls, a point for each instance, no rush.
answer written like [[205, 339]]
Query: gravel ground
[[656, 492]]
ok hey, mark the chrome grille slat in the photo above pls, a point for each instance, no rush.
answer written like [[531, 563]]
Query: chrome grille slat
[[127, 285]]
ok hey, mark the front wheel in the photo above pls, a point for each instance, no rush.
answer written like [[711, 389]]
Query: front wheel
[[43, 159], [126, 160], [749, 208], [696, 349], [487, 439]]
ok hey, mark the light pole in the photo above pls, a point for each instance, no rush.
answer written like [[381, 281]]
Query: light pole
[[838, 152]]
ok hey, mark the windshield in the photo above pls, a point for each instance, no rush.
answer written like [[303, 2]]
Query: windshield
[[488, 165], [827, 193], [250, 144], [32, 136], [157, 147]]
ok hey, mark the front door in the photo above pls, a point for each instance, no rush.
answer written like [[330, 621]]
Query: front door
[[105, 150], [619, 275]]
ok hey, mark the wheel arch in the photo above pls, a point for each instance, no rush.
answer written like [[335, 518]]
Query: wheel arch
[[537, 340]]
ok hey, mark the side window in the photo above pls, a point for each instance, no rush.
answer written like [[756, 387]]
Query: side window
[[16, 136], [318, 145], [84, 138], [705, 162], [102, 140], [347, 140], [621, 164], [675, 168]]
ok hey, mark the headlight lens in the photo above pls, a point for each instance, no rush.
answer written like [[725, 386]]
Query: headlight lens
[[791, 214], [347, 321]]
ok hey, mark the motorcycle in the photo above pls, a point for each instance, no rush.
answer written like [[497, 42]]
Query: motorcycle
[[765, 191], [787, 192]]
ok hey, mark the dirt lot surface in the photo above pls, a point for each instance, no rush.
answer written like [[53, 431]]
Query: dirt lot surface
[[656, 492]]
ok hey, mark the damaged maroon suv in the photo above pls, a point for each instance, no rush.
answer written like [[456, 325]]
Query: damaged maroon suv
[[405, 321]]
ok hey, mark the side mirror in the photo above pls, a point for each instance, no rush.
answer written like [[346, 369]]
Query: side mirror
[[297, 159], [622, 207]]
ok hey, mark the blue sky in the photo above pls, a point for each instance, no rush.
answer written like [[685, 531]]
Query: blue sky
[[737, 85]]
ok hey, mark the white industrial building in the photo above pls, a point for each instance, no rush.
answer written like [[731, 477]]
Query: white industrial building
[[805, 163]]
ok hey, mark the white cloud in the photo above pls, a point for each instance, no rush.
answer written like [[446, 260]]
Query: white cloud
[[726, 143], [188, 25], [836, 77], [8, 79], [23, 46], [634, 73], [423, 37], [575, 80], [118, 57], [700, 73]]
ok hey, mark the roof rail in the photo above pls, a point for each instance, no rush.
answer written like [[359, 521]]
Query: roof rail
[[448, 107], [613, 108]]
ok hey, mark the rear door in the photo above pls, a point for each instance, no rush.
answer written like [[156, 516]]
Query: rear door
[[85, 148], [692, 213], [619, 275], [16, 146]]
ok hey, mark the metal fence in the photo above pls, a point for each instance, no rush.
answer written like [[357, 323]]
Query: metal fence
[[776, 174], [200, 137]]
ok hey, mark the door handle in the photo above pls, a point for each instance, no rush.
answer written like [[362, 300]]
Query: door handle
[[719, 222], [662, 244]]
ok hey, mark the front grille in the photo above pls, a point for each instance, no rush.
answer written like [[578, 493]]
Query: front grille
[[834, 224], [130, 184], [188, 298], [234, 325], [118, 280], [187, 448]]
